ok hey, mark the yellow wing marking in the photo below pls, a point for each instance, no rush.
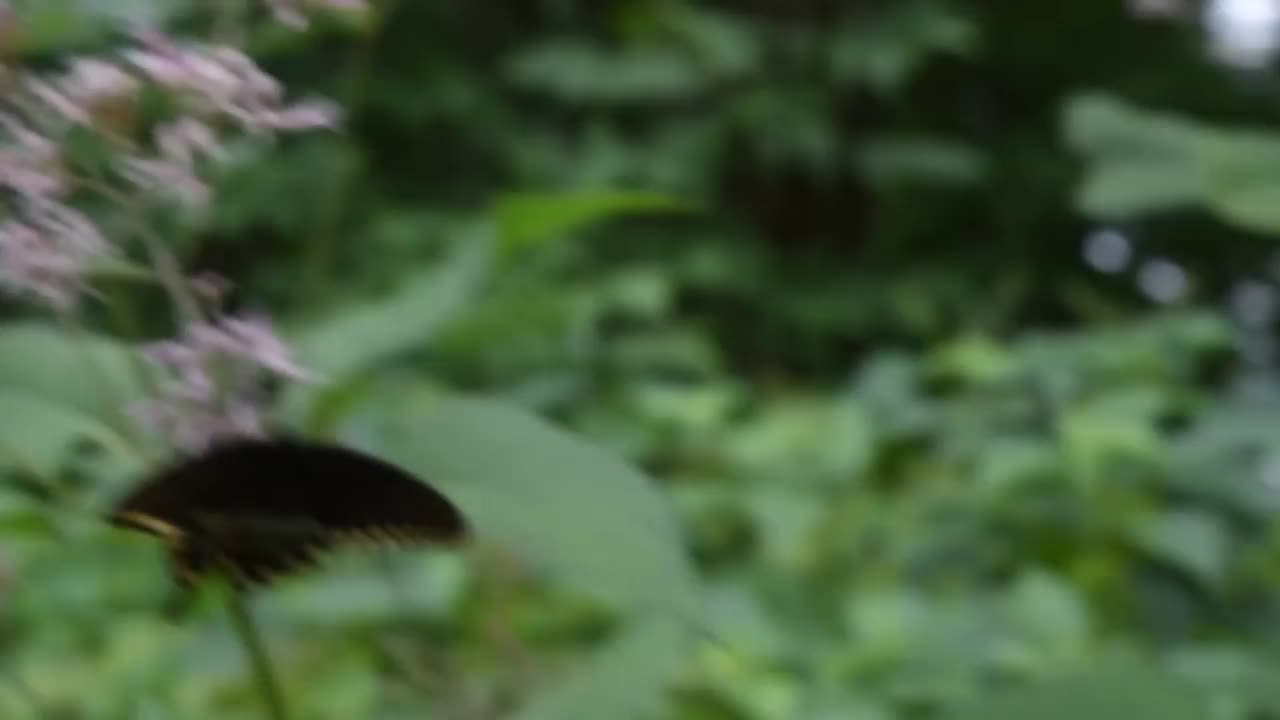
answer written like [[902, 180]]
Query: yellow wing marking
[[151, 524]]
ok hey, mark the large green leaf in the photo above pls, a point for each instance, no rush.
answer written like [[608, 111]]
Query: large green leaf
[[1138, 162], [575, 513], [623, 680], [57, 389]]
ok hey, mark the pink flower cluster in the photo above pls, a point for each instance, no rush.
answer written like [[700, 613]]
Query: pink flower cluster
[[46, 244], [214, 376]]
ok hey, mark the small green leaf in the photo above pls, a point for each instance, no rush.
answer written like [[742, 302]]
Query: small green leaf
[[1191, 541], [526, 219], [583, 72]]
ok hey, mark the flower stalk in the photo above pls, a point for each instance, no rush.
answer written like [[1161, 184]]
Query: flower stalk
[[260, 662]]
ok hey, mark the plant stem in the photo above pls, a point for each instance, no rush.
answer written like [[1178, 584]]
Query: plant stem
[[229, 22], [262, 669], [163, 261]]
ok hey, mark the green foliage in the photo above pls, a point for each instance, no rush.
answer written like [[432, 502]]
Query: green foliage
[[52, 25], [755, 341], [1143, 162]]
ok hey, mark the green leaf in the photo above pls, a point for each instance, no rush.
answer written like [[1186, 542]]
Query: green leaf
[[885, 49], [622, 680], [560, 503], [526, 219], [122, 270], [36, 434], [584, 72], [1194, 542], [1123, 691], [1050, 615], [1243, 179], [56, 24], [575, 513], [366, 334], [1141, 161], [57, 389]]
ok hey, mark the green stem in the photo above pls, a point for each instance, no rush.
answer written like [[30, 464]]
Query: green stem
[[163, 261], [322, 249], [229, 22], [262, 669]]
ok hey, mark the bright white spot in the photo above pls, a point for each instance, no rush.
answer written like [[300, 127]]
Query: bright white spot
[[1244, 33], [1254, 303], [1108, 251], [1164, 281]]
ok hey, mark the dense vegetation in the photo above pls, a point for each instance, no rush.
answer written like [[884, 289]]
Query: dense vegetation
[[814, 267]]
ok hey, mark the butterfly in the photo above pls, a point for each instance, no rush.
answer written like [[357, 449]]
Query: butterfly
[[256, 509]]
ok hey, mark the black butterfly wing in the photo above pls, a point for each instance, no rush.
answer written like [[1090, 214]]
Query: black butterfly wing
[[248, 548], [261, 508]]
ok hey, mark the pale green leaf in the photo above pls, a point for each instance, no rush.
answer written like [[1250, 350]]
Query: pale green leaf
[[57, 389], [1194, 542], [576, 514]]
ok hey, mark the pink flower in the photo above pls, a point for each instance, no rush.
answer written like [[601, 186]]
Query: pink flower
[[165, 176], [187, 139], [87, 85], [29, 162], [223, 81], [214, 380], [46, 251]]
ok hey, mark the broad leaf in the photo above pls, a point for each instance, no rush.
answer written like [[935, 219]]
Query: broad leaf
[[1141, 161], [572, 511], [57, 389]]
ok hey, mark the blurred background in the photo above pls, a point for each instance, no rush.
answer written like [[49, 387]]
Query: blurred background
[[946, 328]]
